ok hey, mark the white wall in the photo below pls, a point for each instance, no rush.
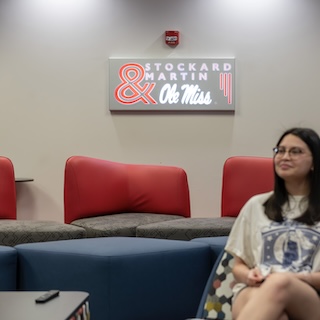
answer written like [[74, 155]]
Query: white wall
[[54, 88]]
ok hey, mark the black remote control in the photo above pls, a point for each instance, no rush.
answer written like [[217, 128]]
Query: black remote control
[[47, 296]]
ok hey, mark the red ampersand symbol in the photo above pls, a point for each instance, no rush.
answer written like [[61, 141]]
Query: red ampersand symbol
[[130, 91]]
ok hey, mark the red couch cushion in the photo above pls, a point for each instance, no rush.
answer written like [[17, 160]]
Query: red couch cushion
[[8, 206], [95, 187], [244, 177]]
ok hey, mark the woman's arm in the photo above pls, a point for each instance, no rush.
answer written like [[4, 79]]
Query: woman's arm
[[243, 274]]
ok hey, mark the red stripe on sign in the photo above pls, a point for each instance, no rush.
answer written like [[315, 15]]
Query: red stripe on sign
[[229, 88], [226, 85]]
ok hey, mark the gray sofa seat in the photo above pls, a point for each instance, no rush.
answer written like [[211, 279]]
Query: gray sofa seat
[[13, 232], [187, 229], [120, 224]]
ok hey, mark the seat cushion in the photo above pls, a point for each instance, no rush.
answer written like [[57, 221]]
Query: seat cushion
[[126, 277], [187, 229], [216, 244], [8, 268], [122, 224], [13, 232]]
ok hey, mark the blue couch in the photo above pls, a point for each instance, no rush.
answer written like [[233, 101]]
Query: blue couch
[[127, 278], [8, 268]]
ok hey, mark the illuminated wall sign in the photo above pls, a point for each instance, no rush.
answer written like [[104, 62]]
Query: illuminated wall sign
[[171, 84]]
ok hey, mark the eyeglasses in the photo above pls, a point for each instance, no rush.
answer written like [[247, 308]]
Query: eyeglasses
[[293, 152]]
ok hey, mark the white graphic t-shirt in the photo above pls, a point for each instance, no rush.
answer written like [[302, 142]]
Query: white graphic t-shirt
[[287, 246]]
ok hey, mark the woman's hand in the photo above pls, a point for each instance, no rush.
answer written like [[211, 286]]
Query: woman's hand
[[243, 274], [254, 278]]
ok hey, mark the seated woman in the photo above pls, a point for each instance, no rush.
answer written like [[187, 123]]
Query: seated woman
[[275, 239]]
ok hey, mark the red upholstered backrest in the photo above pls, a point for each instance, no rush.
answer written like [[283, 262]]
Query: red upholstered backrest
[[8, 206], [96, 187], [242, 178]]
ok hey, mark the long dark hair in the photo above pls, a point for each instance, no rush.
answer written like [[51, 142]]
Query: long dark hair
[[279, 197]]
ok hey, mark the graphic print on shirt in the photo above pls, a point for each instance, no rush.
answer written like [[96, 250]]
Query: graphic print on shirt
[[289, 246]]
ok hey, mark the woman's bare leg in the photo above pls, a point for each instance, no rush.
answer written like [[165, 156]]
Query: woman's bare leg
[[280, 296], [242, 300]]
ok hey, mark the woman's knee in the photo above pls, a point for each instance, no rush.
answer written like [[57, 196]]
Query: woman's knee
[[278, 285], [279, 281]]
